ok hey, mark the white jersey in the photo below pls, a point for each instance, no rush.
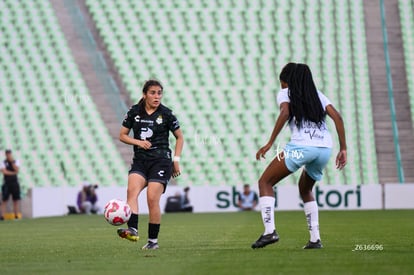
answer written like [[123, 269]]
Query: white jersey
[[309, 134], [247, 201]]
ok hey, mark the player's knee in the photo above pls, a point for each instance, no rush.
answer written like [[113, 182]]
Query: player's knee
[[153, 200], [153, 204], [264, 183]]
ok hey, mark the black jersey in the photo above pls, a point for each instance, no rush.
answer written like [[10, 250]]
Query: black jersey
[[9, 167], [155, 128]]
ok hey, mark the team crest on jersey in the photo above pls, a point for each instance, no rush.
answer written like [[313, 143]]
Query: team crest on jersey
[[159, 119], [137, 118]]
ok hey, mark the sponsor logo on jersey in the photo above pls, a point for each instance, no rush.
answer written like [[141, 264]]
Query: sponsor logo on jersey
[[146, 133], [147, 121], [137, 118]]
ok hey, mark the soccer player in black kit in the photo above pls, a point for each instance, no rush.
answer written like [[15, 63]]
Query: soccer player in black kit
[[10, 168], [153, 164]]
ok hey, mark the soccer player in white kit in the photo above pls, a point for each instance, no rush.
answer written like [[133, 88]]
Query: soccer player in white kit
[[305, 109]]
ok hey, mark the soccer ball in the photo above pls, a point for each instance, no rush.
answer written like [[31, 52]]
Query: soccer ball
[[117, 212]]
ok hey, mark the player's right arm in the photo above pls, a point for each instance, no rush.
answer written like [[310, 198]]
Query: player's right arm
[[125, 138], [280, 122]]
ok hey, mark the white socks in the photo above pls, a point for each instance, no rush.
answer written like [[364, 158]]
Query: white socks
[[312, 218], [267, 206]]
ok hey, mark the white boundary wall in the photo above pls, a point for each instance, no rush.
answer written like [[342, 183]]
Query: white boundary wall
[[53, 201]]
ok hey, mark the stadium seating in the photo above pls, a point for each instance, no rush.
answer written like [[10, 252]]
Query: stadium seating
[[220, 60], [48, 117], [406, 8]]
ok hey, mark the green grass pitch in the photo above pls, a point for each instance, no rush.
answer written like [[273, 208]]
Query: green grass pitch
[[211, 244]]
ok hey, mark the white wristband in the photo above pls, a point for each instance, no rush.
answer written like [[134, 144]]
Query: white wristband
[[176, 158]]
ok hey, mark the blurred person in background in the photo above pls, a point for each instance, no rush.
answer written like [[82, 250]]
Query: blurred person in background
[[247, 199], [87, 199], [185, 201], [10, 168]]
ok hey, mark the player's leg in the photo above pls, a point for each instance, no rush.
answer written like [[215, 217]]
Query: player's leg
[[310, 207], [154, 192], [5, 197], [311, 174], [158, 176], [136, 183], [87, 207], [16, 199], [16, 208], [275, 172], [3, 208]]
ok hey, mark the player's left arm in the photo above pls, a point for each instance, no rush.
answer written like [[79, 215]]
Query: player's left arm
[[179, 144], [341, 157]]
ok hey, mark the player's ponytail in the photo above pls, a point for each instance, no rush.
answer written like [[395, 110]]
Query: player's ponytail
[[141, 102], [305, 104]]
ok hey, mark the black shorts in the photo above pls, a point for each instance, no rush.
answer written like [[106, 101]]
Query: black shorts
[[156, 170], [11, 188]]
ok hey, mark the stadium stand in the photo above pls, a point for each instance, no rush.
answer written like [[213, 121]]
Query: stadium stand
[[48, 117], [220, 60], [406, 8]]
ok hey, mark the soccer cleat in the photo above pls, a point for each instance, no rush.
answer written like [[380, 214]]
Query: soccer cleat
[[128, 233], [265, 240], [311, 245], [150, 246]]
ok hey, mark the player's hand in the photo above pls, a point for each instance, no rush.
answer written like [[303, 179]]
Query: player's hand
[[144, 144], [341, 160], [262, 151], [176, 169]]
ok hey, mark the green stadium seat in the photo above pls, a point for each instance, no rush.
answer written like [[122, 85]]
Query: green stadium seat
[[30, 73]]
